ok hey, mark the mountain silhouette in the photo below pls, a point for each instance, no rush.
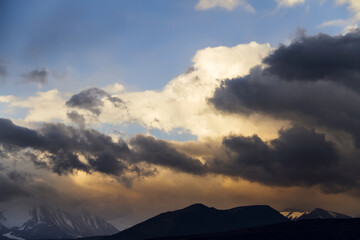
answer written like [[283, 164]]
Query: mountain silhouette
[[200, 219]]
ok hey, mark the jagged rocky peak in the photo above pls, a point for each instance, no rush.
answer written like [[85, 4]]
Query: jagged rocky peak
[[50, 222], [3, 228]]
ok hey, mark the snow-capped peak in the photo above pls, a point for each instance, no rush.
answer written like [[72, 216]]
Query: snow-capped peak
[[50, 222], [317, 213]]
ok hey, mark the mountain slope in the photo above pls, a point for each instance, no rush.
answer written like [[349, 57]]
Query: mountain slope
[[198, 219], [54, 223], [319, 213], [3, 229]]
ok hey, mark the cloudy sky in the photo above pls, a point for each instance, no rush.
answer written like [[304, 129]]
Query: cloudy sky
[[131, 108]]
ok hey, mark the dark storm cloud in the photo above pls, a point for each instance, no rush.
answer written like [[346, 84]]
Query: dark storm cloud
[[298, 157], [63, 144], [39, 75], [24, 185], [314, 82], [66, 142], [160, 152], [320, 57], [63, 162], [107, 163], [91, 99], [19, 136], [319, 87]]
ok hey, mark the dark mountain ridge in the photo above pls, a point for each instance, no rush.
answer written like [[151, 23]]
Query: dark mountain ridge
[[200, 219]]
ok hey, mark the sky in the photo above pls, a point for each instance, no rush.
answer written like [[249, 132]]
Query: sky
[[131, 108]]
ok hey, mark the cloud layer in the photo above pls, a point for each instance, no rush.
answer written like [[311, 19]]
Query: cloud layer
[[65, 149], [298, 157]]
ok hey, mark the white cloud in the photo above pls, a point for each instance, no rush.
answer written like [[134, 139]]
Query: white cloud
[[227, 4], [353, 7], [335, 22], [43, 107], [182, 103], [114, 88], [289, 3], [351, 28], [7, 99]]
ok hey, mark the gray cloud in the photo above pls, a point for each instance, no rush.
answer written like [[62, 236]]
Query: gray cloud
[[10, 189], [320, 103], [39, 75], [77, 118], [108, 163], [91, 100], [325, 95], [320, 57], [19, 136], [298, 157], [160, 152], [25, 186], [62, 145], [3, 70], [314, 82]]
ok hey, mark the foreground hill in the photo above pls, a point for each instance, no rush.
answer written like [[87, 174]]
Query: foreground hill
[[199, 219], [319, 229]]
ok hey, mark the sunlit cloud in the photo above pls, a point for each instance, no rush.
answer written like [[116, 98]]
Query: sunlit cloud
[[227, 4]]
